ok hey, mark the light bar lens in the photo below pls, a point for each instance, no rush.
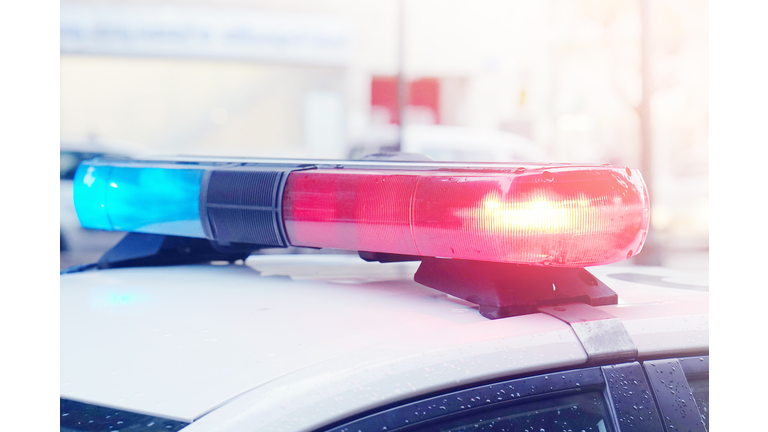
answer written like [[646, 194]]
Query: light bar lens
[[568, 217], [139, 199]]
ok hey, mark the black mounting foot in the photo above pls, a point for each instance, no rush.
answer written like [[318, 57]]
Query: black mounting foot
[[383, 257], [138, 249], [503, 290]]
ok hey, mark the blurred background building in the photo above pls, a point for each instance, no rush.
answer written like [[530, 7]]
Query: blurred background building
[[318, 79]]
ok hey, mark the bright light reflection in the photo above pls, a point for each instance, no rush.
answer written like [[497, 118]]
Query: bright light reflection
[[539, 215], [100, 299]]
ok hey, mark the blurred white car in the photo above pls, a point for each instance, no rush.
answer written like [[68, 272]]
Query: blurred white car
[[454, 143]]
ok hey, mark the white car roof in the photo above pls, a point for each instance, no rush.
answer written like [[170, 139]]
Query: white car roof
[[294, 342]]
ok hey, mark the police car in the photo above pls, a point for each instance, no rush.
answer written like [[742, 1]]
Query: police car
[[472, 297]]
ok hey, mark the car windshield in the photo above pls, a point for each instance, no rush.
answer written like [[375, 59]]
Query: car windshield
[[83, 417]]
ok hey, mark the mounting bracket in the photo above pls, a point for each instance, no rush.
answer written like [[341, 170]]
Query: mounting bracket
[[503, 290], [139, 249]]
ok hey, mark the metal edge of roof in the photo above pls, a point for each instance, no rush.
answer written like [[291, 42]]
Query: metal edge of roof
[[665, 311], [335, 389]]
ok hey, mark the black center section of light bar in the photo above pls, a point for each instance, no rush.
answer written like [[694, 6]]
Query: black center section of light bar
[[243, 205], [243, 188]]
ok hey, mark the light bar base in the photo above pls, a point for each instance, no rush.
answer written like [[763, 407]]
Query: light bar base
[[138, 249], [503, 290], [387, 257]]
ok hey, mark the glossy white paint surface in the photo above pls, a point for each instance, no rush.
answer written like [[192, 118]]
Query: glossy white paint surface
[[316, 338], [666, 312], [340, 387]]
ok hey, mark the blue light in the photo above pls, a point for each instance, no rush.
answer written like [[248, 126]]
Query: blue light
[[90, 193], [139, 199]]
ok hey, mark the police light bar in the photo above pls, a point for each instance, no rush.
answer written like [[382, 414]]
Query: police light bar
[[545, 215]]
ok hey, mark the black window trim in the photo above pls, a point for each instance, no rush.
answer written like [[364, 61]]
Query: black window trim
[[630, 398], [680, 410]]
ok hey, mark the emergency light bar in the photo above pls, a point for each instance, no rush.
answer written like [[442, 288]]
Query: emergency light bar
[[545, 215]]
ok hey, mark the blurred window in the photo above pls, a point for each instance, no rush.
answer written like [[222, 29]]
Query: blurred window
[[423, 96], [697, 374], [700, 389], [455, 155]]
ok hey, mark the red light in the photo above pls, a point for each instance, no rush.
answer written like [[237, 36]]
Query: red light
[[559, 216]]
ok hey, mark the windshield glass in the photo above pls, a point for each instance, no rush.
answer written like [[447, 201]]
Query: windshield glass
[[82, 417]]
